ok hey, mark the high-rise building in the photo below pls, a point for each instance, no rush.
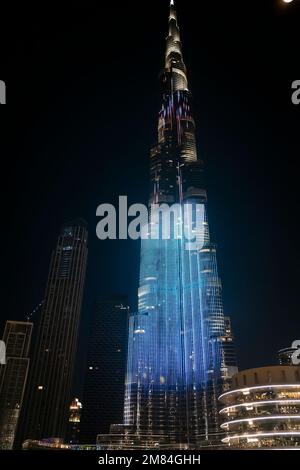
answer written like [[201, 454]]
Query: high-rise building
[[103, 396], [47, 397], [13, 376], [262, 410], [175, 357], [74, 421], [229, 357]]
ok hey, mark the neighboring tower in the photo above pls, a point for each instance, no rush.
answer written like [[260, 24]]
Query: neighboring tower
[[229, 363], [175, 361], [74, 421], [48, 397], [104, 383], [13, 376]]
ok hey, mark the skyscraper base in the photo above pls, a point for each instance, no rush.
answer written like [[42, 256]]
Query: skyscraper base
[[126, 438]]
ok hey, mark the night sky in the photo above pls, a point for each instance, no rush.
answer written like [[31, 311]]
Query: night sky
[[81, 116]]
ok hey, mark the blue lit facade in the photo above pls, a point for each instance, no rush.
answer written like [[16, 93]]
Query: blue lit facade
[[176, 368]]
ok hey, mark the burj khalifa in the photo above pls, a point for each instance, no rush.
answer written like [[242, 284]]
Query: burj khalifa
[[176, 364]]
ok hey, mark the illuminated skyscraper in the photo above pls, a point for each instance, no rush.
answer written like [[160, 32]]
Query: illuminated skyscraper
[[74, 421], [47, 398], [175, 369], [13, 376]]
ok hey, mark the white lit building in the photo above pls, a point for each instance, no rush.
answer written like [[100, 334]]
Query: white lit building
[[262, 410]]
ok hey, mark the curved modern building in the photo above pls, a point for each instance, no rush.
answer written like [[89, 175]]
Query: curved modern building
[[263, 409]]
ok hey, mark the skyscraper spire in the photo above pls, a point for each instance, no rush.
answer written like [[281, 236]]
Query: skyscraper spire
[[174, 56]]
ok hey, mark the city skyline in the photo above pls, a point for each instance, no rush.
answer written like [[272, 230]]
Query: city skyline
[[262, 301]]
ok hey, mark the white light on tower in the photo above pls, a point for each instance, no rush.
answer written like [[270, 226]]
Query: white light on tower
[[287, 1]]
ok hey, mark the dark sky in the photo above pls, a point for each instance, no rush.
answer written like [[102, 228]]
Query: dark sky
[[82, 96]]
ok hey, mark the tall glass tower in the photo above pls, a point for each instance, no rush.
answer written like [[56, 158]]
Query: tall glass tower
[[48, 392], [176, 366]]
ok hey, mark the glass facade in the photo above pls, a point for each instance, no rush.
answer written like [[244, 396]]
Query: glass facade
[[47, 397], [103, 394], [174, 365]]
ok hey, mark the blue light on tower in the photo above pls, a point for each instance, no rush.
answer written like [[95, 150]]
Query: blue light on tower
[[176, 368]]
